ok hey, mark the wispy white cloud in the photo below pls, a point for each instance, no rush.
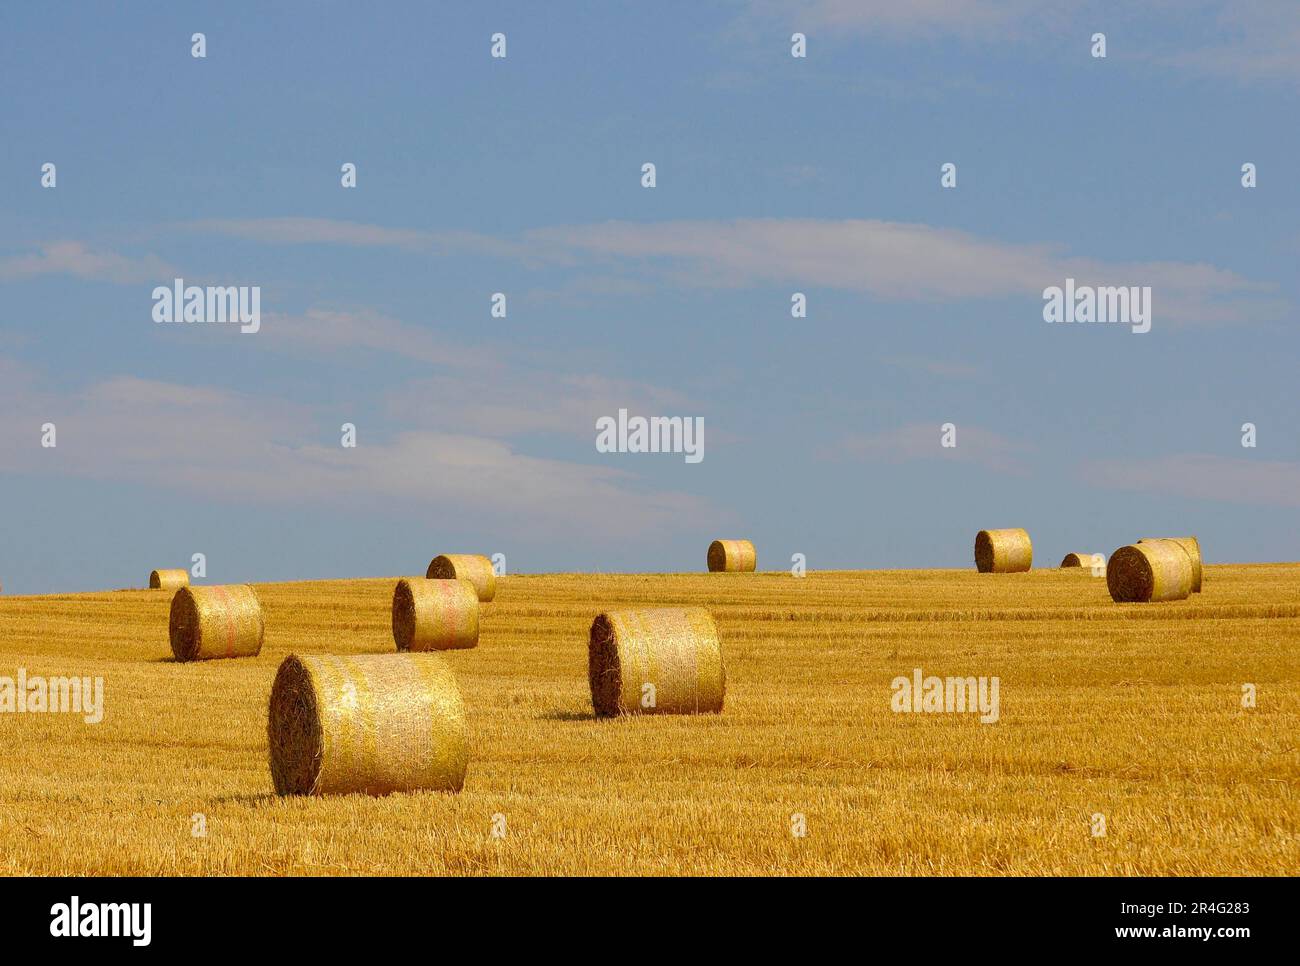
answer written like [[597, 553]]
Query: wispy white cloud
[[324, 231], [238, 447], [1203, 476], [944, 368], [905, 261], [921, 441], [525, 402], [497, 391], [1254, 41], [802, 174], [494, 391], [534, 495], [901, 261], [583, 289], [331, 330], [1247, 41], [77, 259], [329, 231], [915, 18]]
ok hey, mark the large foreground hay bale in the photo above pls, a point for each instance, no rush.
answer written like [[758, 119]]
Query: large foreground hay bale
[[1083, 560], [1193, 548], [435, 615], [372, 723], [475, 568], [168, 579], [209, 622], [656, 661], [1152, 571], [1003, 551], [732, 556]]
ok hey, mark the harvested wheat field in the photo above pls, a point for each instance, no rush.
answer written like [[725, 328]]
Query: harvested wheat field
[[1133, 712]]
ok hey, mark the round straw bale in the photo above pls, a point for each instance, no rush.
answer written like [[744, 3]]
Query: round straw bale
[[732, 556], [1080, 560], [1152, 571], [656, 661], [372, 723], [475, 568], [208, 622], [435, 615], [1193, 548], [168, 579], [1003, 551]]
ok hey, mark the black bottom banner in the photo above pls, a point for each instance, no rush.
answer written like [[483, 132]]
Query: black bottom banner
[[329, 915]]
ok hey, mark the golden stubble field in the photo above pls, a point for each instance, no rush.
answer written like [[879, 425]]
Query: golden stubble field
[[1132, 711]]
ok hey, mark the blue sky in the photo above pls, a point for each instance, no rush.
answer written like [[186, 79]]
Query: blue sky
[[522, 175]]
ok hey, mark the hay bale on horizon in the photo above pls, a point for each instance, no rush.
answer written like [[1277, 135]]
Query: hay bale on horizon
[[1008, 551], [655, 661], [216, 622], [1149, 572], [434, 615], [370, 723], [1081, 560], [1193, 548], [168, 579], [732, 557], [475, 568]]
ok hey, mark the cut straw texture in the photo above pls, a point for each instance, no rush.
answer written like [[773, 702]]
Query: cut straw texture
[[1080, 560], [212, 622], [370, 723], [168, 579], [655, 661], [732, 557], [434, 615], [1003, 551], [1193, 548], [1149, 572], [466, 566]]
